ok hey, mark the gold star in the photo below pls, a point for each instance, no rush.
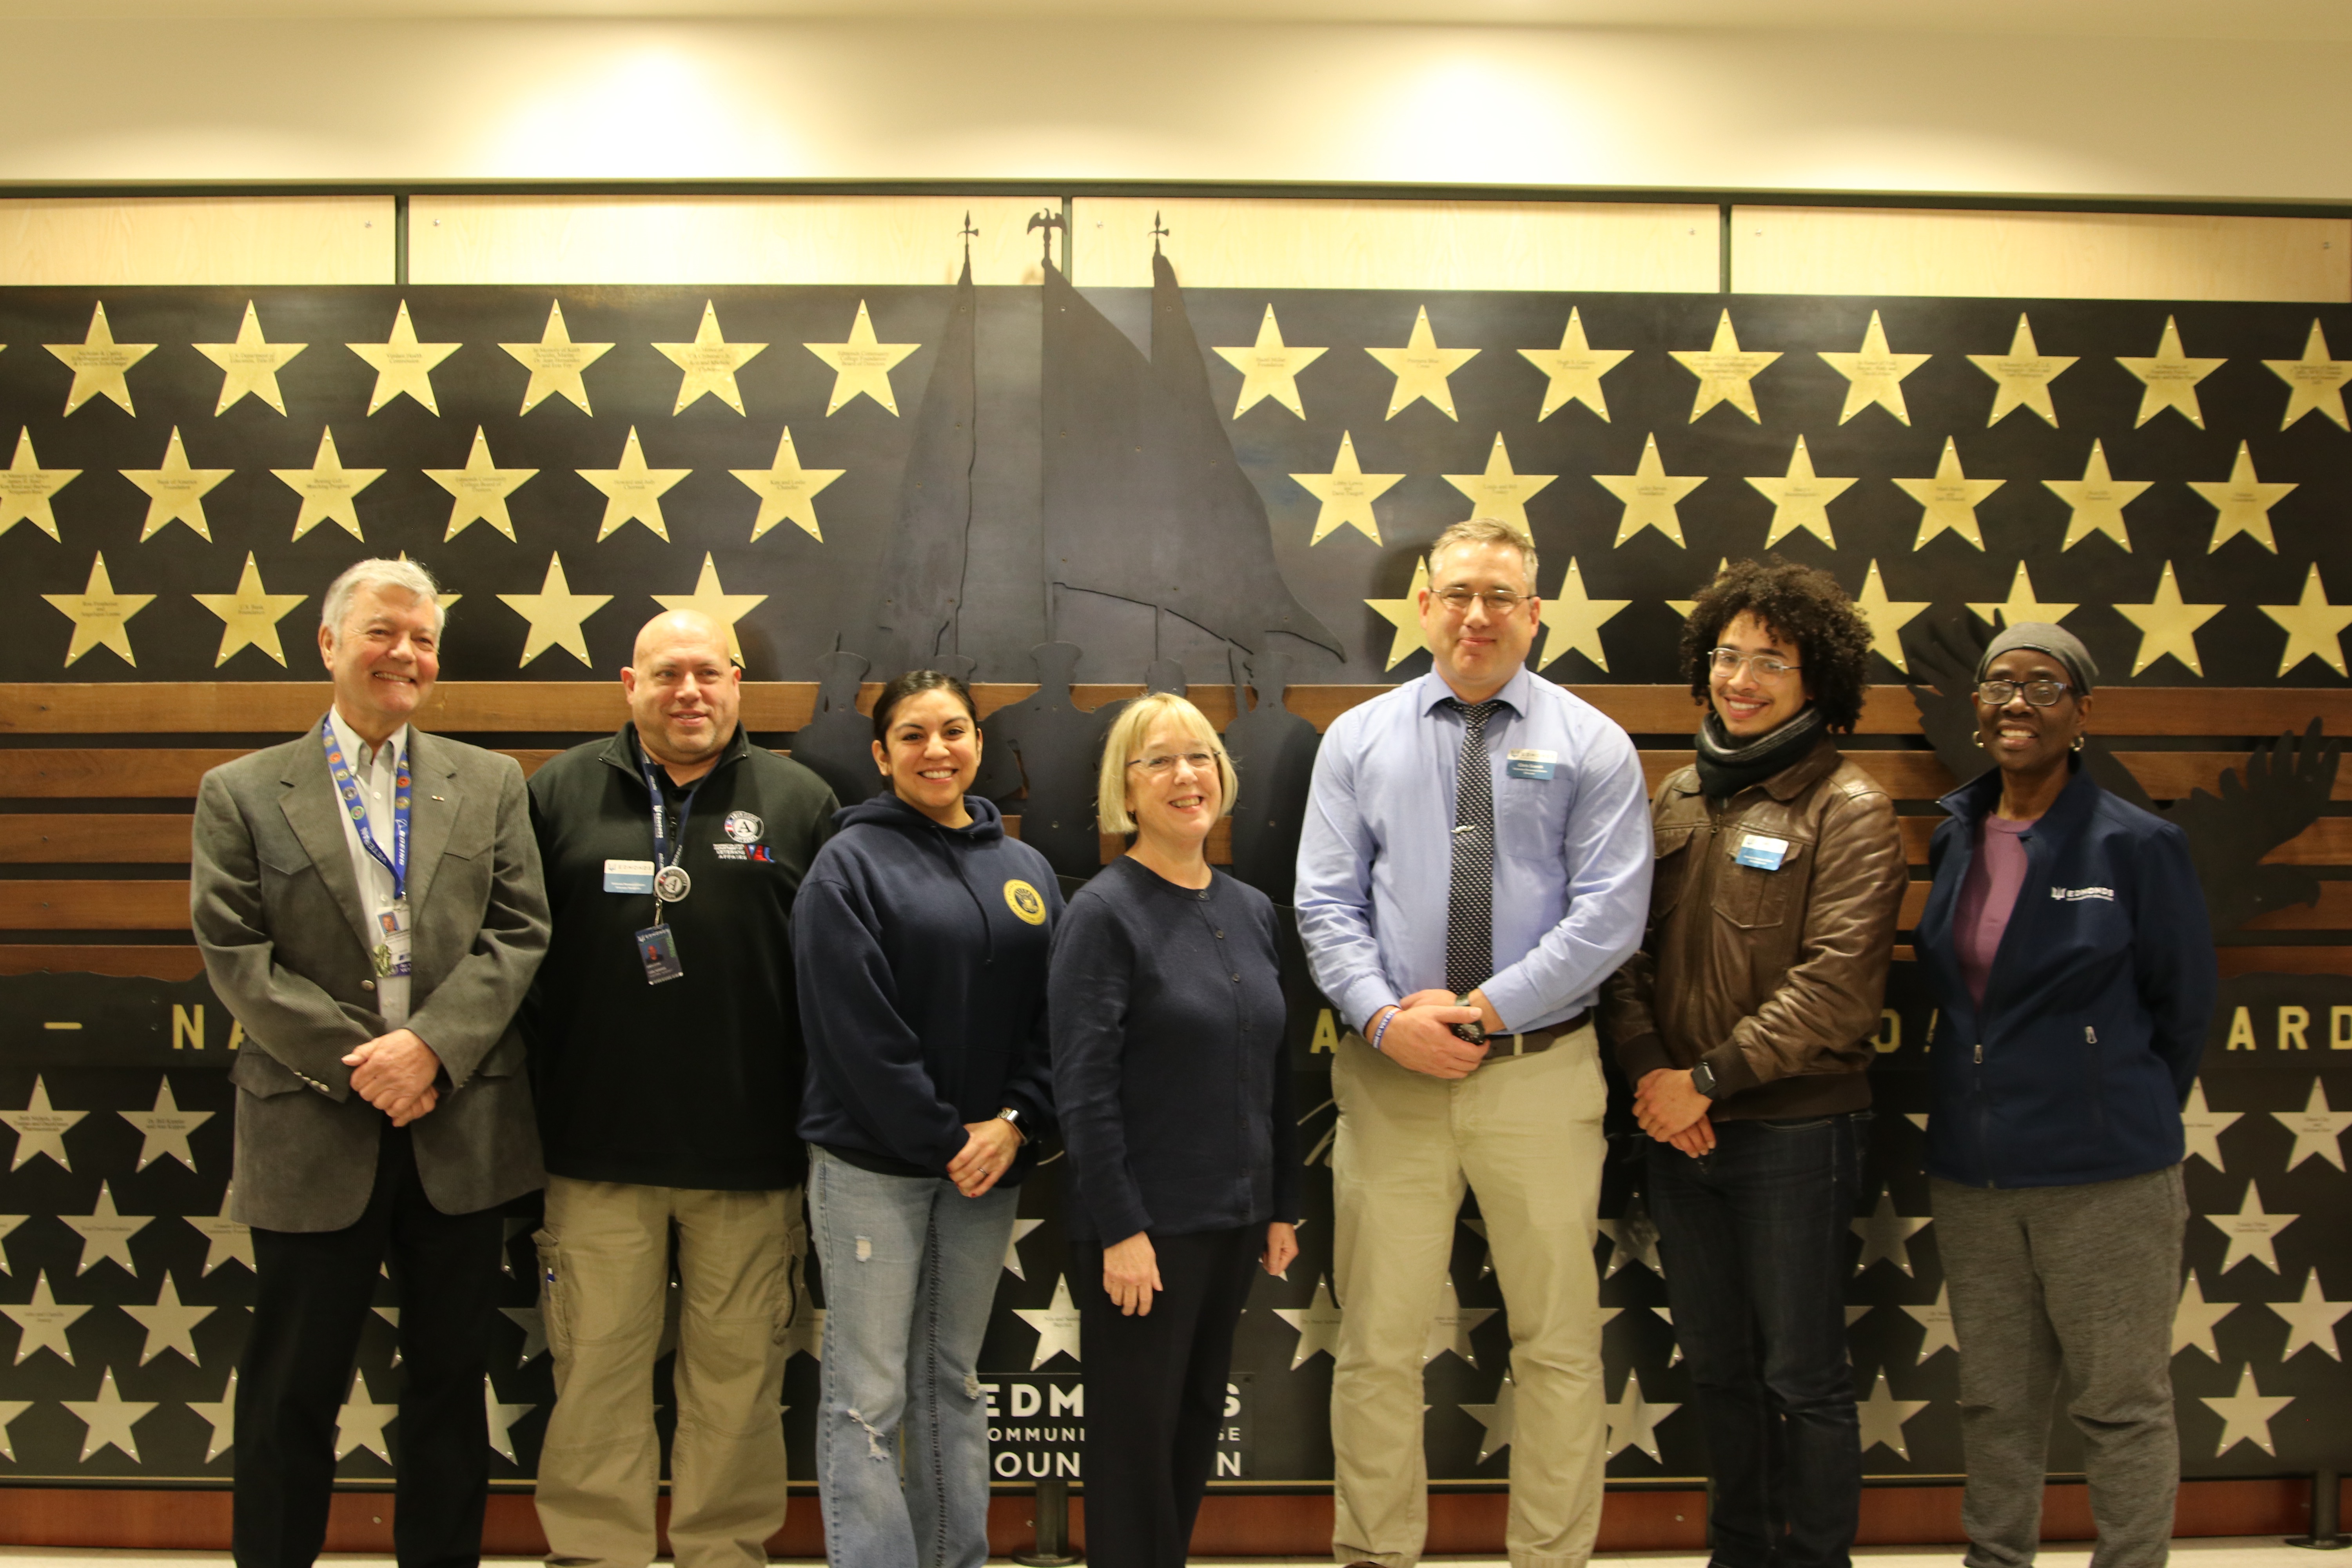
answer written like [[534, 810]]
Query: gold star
[[1404, 615], [2314, 382], [1575, 368], [249, 616], [1801, 499], [2021, 605], [480, 490], [249, 364], [1949, 499], [2098, 498], [175, 492], [329, 491], [1420, 368], [2242, 503], [861, 364], [1347, 493], [101, 616], [786, 491], [1887, 617], [402, 364], [2314, 629], [556, 364], [709, 362], [1574, 618], [715, 602], [1498, 492], [633, 492], [555, 613], [2169, 378], [1650, 494], [25, 487], [1875, 374], [1269, 368], [2021, 377], [1724, 371], [99, 363], [2167, 625]]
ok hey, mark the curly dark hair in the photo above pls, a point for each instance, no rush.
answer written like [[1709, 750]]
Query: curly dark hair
[[1801, 603]]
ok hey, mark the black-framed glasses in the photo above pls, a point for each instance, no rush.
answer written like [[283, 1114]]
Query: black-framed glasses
[[1498, 601], [2038, 693], [1728, 660]]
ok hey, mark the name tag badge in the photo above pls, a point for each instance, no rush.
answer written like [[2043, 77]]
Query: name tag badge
[[1531, 764], [628, 876], [1763, 854], [392, 957], [658, 945]]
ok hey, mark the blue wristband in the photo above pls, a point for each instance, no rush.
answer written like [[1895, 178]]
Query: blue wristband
[[1384, 1027]]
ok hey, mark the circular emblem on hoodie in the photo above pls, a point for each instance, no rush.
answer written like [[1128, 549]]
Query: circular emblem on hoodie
[[744, 828], [1024, 902]]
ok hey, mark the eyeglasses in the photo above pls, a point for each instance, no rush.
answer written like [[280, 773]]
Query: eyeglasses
[[2040, 693], [1728, 660], [1199, 762], [1498, 601]]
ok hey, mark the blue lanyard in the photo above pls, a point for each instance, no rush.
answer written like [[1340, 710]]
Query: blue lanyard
[[662, 855], [354, 804]]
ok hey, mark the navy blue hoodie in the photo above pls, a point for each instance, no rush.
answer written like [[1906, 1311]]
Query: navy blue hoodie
[[921, 953], [2095, 1010]]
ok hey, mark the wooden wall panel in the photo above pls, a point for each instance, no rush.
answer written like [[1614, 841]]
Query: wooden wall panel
[[1303, 244], [2067, 256], [250, 240], [873, 241]]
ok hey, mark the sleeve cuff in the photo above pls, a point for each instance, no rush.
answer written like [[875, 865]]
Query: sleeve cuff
[[1642, 1055], [1732, 1073]]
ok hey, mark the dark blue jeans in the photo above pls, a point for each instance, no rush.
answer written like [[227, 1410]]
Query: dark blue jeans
[[1754, 1237]]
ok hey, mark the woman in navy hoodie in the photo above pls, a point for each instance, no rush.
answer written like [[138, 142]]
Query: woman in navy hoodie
[[2066, 942], [921, 940]]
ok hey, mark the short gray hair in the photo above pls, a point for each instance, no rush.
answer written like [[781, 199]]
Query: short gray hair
[[378, 573], [1488, 531]]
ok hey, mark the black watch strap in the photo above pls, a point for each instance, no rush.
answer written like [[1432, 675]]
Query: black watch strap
[[1702, 1079]]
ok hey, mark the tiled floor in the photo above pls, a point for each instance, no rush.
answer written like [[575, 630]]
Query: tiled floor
[[2254, 1552]]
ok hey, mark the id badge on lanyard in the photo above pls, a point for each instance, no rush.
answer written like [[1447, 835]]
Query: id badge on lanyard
[[392, 954], [657, 943]]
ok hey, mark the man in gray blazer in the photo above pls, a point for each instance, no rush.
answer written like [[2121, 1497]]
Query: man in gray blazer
[[368, 905]]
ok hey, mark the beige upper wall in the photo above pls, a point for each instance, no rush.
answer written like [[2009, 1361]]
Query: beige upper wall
[[227, 98]]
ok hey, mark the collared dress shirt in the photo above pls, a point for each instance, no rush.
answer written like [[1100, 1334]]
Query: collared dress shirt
[[1573, 851], [376, 770]]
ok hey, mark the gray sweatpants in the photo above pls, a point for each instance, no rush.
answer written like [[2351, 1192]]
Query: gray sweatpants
[[2083, 1276]]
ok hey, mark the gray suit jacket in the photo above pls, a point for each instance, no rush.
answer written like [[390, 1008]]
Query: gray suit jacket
[[287, 945]]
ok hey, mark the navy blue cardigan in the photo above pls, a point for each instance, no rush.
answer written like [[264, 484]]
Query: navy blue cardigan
[[2095, 1010], [1171, 1074]]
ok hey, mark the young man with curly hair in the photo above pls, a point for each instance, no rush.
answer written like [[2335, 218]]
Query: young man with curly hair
[[1745, 1023]]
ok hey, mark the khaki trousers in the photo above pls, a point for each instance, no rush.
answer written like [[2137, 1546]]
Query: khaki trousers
[[1525, 1133], [604, 1265]]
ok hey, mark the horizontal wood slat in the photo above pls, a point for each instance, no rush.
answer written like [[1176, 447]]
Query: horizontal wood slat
[[92, 838], [159, 773], [2314, 960], [94, 906], [2333, 912], [141, 961], [587, 707]]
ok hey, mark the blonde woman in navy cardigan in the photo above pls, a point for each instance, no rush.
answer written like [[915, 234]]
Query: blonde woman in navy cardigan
[[1167, 1019]]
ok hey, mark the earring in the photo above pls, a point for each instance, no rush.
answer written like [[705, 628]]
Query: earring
[[1976, 739], [2081, 741]]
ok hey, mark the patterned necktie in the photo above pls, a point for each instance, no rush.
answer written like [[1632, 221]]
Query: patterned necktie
[[1470, 892]]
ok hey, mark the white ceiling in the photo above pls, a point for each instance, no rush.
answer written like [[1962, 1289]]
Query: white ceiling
[[2248, 19]]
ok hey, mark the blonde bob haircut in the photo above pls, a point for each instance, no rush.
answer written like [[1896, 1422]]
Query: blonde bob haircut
[[1128, 733]]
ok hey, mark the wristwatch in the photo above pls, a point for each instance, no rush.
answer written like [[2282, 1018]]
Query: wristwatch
[[1012, 1117], [1474, 1031], [1703, 1080]]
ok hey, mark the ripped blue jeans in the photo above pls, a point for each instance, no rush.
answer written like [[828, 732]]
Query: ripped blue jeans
[[909, 1267]]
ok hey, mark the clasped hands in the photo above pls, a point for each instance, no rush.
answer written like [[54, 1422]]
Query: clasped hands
[[1421, 1036], [1672, 1111], [395, 1073]]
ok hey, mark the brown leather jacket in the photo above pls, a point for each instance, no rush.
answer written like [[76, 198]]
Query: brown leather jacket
[[1776, 977]]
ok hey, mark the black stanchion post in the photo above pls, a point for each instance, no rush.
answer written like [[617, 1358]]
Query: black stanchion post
[[1053, 1547], [2326, 1533]]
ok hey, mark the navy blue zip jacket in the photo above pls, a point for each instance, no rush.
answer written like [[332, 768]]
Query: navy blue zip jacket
[[2096, 1011], [921, 953]]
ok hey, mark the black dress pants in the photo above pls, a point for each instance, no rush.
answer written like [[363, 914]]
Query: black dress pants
[[313, 1292], [1156, 1392]]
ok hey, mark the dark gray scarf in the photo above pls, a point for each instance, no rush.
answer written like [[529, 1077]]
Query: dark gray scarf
[[1727, 766]]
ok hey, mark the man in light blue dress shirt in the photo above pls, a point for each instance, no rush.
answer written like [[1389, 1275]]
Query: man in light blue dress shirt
[[1475, 862]]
